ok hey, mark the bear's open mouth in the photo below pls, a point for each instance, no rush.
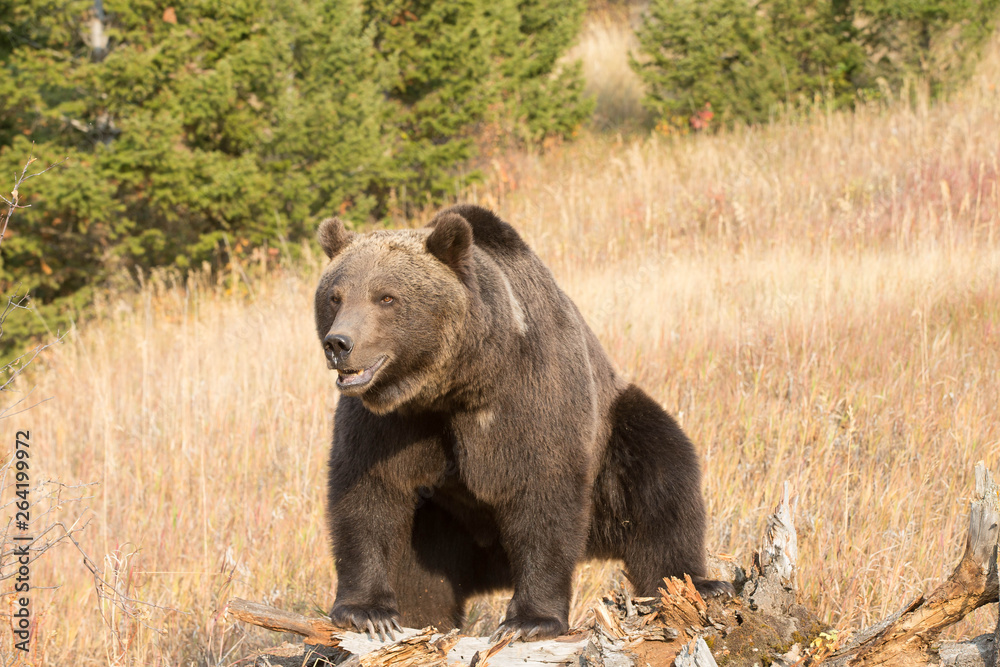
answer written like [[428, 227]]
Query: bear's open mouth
[[358, 378]]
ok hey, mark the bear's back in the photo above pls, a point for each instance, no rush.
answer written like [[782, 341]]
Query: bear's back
[[489, 232]]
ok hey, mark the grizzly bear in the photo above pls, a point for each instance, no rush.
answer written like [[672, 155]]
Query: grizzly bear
[[483, 440]]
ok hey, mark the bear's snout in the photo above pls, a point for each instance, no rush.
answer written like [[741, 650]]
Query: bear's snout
[[337, 347]]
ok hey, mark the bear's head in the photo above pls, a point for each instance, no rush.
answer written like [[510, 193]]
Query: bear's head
[[391, 307]]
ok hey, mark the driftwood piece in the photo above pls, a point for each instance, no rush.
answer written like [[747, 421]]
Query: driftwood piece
[[907, 639], [695, 654], [316, 631]]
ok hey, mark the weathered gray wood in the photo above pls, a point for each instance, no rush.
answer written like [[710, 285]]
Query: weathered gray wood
[[522, 654], [536, 654], [770, 586], [410, 647], [769, 592], [695, 654], [994, 660], [984, 529], [780, 551], [972, 653], [289, 655]]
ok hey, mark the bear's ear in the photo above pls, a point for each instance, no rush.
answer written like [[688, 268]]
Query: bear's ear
[[451, 242], [333, 236]]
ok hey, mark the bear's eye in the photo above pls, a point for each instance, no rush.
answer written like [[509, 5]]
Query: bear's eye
[[387, 299], [335, 299]]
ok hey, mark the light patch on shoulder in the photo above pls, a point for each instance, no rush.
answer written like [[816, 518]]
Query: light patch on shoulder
[[485, 418], [515, 307]]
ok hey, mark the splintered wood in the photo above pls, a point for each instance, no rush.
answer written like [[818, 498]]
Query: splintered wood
[[682, 607], [695, 654], [631, 621], [422, 650], [764, 624], [780, 551]]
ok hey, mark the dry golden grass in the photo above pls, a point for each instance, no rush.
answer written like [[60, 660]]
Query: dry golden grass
[[603, 47], [816, 301]]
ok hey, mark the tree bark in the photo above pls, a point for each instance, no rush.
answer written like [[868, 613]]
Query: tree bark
[[316, 631], [995, 661]]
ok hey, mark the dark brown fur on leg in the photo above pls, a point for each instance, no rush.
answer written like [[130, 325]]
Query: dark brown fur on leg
[[648, 509]]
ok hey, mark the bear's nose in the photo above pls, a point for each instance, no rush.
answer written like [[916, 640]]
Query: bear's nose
[[337, 346]]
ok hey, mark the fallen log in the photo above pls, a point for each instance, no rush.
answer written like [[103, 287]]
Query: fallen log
[[907, 639], [410, 647], [623, 632], [764, 624], [970, 653], [995, 660]]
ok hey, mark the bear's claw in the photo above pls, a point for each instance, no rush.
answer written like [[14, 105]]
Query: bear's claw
[[528, 629], [710, 588], [375, 621], [505, 635]]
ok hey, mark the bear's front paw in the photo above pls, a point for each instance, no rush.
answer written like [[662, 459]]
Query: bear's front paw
[[529, 628], [380, 621]]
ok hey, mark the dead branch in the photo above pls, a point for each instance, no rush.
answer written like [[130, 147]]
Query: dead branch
[[907, 638], [13, 203], [316, 631]]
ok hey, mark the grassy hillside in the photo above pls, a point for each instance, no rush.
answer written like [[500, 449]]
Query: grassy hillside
[[816, 301]]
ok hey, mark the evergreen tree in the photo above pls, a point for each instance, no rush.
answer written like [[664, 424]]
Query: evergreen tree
[[221, 117], [749, 58], [444, 79], [709, 52], [543, 98], [937, 41], [185, 124], [460, 63]]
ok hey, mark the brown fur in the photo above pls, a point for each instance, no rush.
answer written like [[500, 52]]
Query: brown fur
[[493, 444]]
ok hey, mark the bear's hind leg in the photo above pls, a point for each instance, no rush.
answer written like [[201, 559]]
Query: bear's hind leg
[[648, 508]]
